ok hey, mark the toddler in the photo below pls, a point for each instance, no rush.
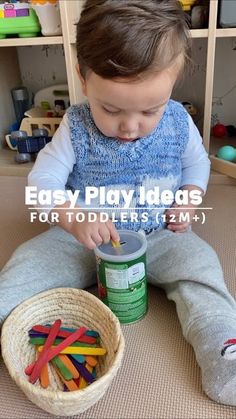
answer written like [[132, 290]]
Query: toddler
[[130, 134]]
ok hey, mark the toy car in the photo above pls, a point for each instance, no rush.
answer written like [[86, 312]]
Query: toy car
[[28, 146]]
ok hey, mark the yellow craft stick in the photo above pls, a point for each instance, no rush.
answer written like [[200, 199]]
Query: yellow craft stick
[[82, 383], [80, 350], [115, 243], [67, 362]]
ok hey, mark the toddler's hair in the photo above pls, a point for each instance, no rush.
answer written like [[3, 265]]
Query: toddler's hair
[[127, 38]]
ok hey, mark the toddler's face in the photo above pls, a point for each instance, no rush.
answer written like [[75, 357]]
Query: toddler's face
[[125, 109]]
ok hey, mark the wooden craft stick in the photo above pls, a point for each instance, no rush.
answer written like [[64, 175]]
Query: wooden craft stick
[[69, 364], [70, 384], [83, 371], [81, 383], [65, 372], [34, 368], [72, 350], [55, 350], [115, 243], [64, 333], [91, 360], [92, 333], [41, 341], [79, 358], [44, 376], [89, 368]]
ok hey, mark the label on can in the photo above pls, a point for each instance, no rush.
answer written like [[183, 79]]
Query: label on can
[[122, 286]]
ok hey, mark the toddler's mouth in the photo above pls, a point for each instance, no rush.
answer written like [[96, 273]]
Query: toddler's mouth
[[127, 139]]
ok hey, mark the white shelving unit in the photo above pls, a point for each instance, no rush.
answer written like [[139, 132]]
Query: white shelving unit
[[70, 13]]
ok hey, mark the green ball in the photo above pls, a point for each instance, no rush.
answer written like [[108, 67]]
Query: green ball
[[227, 153]]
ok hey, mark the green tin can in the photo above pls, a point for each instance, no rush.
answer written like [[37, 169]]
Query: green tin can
[[121, 275]]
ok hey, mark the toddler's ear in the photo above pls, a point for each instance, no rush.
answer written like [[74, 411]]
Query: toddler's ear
[[82, 80]]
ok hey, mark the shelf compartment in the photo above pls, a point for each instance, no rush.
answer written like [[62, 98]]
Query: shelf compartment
[[226, 33], [199, 33], [39, 40], [8, 166]]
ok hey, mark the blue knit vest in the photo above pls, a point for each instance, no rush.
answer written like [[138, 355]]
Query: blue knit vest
[[151, 161]]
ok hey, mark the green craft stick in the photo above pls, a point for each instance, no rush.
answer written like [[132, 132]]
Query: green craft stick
[[62, 368], [41, 341]]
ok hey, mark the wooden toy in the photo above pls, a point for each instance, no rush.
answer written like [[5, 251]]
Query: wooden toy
[[74, 361]]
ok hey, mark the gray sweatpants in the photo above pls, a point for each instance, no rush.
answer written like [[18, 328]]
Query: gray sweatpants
[[185, 266]]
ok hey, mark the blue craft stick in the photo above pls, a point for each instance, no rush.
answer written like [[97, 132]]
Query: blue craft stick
[[94, 373], [92, 333], [79, 358], [82, 370]]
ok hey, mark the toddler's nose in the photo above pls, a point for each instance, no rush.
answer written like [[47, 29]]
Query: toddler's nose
[[129, 127]]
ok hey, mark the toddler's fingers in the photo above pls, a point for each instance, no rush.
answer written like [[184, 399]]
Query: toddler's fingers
[[97, 238], [104, 233], [178, 227], [88, 242], [114, 235]]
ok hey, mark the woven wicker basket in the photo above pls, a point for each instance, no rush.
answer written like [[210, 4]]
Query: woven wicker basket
[[75, 308]]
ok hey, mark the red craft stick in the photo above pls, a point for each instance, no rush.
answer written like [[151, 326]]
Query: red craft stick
[[63, 333], [50, 340], [51, 353]]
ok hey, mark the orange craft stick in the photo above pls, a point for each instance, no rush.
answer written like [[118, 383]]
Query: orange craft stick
[[91, 360], [89, 368], [44, 377], [67, 362], [70, 384]]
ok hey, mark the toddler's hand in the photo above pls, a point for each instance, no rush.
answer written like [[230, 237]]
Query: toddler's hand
[[173, 218], [92, 234]]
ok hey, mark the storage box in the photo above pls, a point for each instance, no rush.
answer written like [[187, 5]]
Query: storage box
[[226, 167], [227, 14]]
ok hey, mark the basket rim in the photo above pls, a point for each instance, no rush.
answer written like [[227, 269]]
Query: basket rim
[[26, 386]]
